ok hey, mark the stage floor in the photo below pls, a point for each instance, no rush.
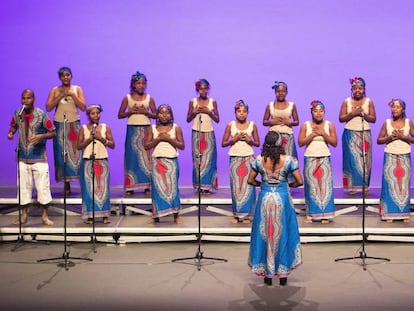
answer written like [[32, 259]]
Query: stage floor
[[142, 276], [129, 222]]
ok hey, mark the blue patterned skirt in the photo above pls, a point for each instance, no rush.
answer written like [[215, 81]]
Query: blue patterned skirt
[[164, 183], [101, 186], [319, 196], [275, 240], [204, 143], [73, 155], [396, 184], [243, 195], [137, 174], [352, 159]]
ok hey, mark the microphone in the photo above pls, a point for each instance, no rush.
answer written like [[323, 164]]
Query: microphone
[[94, 129], [21, 110]]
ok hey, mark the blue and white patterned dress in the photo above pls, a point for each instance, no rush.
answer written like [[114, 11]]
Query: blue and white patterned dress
[[275, 240], [165, 173]]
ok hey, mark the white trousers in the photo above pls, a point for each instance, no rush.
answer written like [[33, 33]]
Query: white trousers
[[39, 172]]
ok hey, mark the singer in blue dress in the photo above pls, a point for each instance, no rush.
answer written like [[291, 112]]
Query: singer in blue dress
[[93, 139], [66, 99], [317, 135], [138, 107], [275, 240], [203, 111], [397, 134], [357, 112]]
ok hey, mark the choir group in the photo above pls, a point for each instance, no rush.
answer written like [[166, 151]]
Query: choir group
[[151, 159]]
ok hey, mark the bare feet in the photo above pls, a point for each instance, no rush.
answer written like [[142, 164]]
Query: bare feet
[[106, 220], [325, 221], [46, 221], [237, 220], [88, 221], [390, 221], [23, 220], [178, 220], [308, 220], [153, 220], [129, 193], [406, 220]]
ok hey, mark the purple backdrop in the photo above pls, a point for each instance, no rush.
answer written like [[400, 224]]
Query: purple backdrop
[[241, 47]]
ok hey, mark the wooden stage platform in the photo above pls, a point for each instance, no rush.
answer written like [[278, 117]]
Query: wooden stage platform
[[131, 214]]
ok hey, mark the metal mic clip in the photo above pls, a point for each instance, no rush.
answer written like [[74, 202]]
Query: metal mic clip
[[21, 111], [94, 129]]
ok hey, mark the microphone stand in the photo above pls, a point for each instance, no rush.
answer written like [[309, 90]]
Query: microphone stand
[[20, 238], [92, 157], [65, 256], [199, 254], [362, 254]]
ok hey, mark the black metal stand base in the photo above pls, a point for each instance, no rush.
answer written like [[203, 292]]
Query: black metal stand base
[[199, 257], [66, 263], [20, 241], [363, 256], [94, 240]]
